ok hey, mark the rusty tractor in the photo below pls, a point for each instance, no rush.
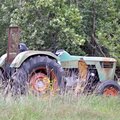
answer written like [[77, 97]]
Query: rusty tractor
[[89, 74], [23, 71]]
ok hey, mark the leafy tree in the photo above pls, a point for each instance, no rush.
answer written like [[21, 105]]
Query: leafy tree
[[78, 26], [50, 25], [6, 9], [101, 26]]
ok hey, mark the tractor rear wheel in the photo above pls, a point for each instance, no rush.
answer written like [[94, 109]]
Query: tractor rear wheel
[[39, 75], [108, 88]]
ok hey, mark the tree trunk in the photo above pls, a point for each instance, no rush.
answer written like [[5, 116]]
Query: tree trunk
[[94, 43]]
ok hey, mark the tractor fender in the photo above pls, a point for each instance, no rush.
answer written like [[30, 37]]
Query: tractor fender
[[21, 57]]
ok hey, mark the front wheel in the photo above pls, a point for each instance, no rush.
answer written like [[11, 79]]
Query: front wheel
[[108, 88], [39, 74]]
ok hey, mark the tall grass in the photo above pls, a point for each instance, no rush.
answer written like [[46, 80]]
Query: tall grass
[[61, 108]]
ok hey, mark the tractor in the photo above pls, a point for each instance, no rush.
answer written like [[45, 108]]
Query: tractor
[[85, 74], [25, 71]]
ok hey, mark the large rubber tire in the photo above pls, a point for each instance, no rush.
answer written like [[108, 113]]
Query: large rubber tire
[[21, 78], [108, 88]]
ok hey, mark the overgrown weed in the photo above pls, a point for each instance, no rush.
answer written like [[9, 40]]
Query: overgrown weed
[[67, 107]]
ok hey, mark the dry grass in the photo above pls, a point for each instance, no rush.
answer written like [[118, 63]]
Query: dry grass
[[61, 108]]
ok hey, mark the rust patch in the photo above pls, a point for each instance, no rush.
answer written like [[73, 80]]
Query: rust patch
[[83, 70], [82, 66], [13, 41]]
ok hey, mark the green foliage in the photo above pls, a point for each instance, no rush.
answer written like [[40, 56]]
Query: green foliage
[[109, 28], [101, 23], [6, 9], [79, 26], [50, 25]]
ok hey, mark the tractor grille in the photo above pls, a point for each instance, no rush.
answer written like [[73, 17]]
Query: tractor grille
[[106, 64]]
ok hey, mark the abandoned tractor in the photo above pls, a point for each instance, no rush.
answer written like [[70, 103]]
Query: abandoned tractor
[[23, 71], [89, 74]]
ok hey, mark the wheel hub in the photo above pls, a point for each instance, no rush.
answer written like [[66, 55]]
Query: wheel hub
[[39, 82], [110, 91]]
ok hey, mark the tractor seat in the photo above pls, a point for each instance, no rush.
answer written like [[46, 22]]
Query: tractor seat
[[22, 47]]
